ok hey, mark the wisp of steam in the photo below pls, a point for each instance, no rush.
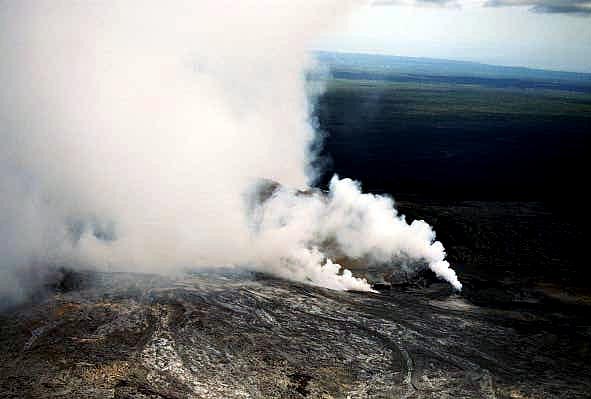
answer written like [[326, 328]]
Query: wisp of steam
[[133, 131]]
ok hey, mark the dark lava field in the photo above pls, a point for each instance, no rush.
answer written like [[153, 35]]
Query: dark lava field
[[241, 335], [513, 332]]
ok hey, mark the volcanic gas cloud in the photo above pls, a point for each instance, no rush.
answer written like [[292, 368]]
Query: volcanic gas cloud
[[133, 131]]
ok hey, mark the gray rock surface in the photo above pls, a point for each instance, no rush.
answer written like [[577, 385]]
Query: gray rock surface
[[228, 335]]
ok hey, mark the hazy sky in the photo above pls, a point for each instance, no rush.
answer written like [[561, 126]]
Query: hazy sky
[[550, 34]]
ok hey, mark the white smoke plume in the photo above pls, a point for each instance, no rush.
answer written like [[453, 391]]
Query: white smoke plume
[[131, 132], [346, 223]]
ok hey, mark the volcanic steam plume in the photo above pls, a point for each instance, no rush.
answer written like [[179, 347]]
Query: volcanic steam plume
[[133, 133]]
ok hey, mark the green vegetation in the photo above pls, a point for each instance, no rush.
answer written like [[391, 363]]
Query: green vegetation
[[421, 99], [508, 134]]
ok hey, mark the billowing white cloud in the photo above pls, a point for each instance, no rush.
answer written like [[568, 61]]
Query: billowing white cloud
[[581, 7], [578, 7], [132, 130]]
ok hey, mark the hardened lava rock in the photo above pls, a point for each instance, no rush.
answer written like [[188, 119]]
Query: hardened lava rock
[[227, 335]]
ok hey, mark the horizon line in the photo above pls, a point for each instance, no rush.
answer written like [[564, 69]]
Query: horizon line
[[466, 61]]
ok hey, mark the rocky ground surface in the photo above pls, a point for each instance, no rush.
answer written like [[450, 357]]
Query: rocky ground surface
[[521, 328], [228, 335]]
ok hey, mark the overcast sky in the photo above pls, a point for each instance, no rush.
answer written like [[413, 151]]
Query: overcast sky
[[549, 34]]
